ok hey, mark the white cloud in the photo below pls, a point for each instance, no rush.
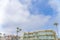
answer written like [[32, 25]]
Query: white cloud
[[2, 6], [16, 13], [2, 13]]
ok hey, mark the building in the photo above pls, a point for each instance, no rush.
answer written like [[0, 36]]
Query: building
[[1, 36], [8, 37], [40, 35], [58, 38], [21, 38], [12, 37]]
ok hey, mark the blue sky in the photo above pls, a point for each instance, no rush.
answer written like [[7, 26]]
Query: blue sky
[[42, 7], [29, 15]]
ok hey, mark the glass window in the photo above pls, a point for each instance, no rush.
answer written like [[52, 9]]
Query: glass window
[[46, 37], [43, 33]]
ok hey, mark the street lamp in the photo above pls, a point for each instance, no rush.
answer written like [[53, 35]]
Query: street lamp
[[56, 24], [18, 30]]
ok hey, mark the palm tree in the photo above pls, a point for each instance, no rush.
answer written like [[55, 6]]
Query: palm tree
[[56, 25], [18, 30]]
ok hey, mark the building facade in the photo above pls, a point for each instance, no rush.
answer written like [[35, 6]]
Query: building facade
[[12, 37], [1, 36], [40, 35]]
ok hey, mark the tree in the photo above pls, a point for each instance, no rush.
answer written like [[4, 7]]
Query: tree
[[56, 25], [18, 30]]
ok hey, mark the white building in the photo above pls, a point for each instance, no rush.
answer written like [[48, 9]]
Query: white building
[[40, 35]]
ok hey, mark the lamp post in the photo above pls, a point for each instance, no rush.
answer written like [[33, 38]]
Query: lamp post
[[18, 30], [56, 25]]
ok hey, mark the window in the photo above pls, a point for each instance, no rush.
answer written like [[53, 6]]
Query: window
[[46, 37], [44, 33]]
